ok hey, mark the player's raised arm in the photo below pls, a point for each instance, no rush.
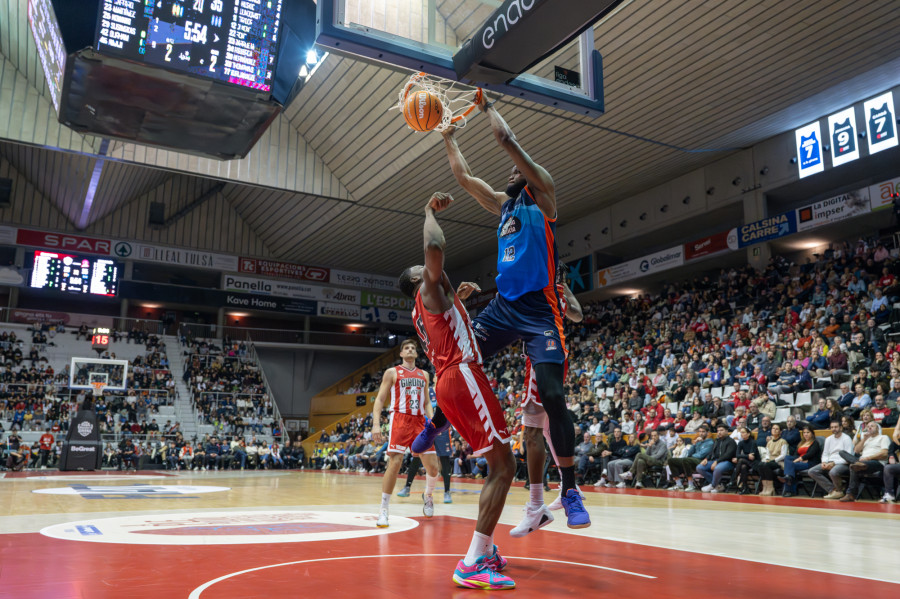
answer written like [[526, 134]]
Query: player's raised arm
[[434, 285], [389, 378], [490, 200], [539, 180]]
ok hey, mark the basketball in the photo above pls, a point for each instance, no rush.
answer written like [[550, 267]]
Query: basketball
[[423, 111]]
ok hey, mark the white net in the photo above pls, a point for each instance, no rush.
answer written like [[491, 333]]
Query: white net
[[459, 101]]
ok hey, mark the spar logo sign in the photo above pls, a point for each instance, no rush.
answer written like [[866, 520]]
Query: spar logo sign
[[132, 491], [227, 528]]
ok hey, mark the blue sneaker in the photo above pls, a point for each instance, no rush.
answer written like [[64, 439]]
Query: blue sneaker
[[575, 513], [425, 440], [404, 492]]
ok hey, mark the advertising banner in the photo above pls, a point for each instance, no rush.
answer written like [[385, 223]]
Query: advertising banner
[[74, 244], [640, 267], [178, 257], [881, 195], [706, 246], [385, 315], [847, 205], [763, 230], [389, 301], [339, 311], [283, 270], [363, 280], [293, 290]]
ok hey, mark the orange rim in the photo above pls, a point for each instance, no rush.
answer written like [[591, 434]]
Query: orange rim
[[475, 102]]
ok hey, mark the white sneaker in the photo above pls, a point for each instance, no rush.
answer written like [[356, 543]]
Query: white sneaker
[[601, 482], [604, 473], [382, 519], [626, 475], [706, 488], [638, 485], [714, 490], [557, 503], [719, 489], [621, 485], [428, 508], [533, 520], [888, 498], [691, 488]]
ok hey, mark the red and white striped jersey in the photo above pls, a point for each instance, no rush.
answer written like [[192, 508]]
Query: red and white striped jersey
[[448, 338], [410, 391]]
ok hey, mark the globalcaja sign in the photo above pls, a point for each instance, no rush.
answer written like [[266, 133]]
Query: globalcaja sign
[[638, 267]]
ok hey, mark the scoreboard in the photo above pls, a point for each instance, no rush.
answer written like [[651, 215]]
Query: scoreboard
[[100, 338], [75, 274], [234, 41]]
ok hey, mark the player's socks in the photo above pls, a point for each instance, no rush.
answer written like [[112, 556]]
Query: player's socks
[[385, 500], [438, 420], [430, 482], [481, 545], [537, 495], [568, 478]]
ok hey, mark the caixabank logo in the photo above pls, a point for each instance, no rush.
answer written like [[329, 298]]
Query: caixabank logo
[[226, 528]]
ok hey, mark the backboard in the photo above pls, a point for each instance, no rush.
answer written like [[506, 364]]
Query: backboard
[[512, 47], [98, 375]]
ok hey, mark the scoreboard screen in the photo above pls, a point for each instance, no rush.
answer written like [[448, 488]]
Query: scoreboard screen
[[100, 338], [50, 48], [234, 41], [74, 274]]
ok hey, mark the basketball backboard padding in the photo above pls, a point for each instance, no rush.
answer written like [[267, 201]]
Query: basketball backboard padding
[[519, 34], [339, 31]]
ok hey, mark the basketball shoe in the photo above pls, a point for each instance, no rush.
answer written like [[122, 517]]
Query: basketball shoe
[[480, 576], [428, 507], [533, 520], [382, 521], [426, 438], [576, 515], [495, 561], [404, 492], [557, 503]]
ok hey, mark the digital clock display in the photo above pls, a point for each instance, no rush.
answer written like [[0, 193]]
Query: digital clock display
[[74, 274], [234, 41]]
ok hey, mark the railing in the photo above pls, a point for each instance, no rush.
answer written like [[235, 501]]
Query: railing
[[306, 337], [162, 397], [276, 413], [73, 320]]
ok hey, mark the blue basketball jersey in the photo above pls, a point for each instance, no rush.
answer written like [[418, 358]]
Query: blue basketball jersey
[[526, 256]]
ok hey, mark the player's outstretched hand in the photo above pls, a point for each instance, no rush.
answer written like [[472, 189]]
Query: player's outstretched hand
[[439, 201], [376, 438], [466, 289]]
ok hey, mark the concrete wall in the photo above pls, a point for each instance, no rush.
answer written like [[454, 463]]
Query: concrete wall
[[296, 375]]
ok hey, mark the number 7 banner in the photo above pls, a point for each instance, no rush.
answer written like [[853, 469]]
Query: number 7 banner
[[881, 122], [809, 149]]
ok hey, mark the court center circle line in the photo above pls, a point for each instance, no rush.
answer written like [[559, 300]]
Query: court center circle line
[[195, 594]]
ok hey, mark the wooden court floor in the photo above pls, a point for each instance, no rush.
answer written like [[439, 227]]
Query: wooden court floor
[[292, 534]]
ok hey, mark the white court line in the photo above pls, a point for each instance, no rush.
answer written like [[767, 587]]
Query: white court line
[[195, 594]]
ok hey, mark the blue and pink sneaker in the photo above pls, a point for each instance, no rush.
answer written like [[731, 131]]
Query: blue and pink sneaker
[[425, 439], [481, 576], [495, 561]]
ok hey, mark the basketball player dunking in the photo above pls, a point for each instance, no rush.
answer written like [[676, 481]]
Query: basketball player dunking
[[410, 404], [465, 394], [527, 304]]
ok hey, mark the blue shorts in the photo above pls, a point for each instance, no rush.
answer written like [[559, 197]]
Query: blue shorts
[[535, 318]]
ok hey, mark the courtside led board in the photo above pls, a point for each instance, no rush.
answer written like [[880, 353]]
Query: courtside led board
[[881, 122], [842, 133], [809, 149]]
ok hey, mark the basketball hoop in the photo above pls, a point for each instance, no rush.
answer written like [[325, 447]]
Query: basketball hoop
[[97, 387], [457, 100]]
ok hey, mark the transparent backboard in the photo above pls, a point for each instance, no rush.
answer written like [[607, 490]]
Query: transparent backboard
[[84, 373], [424, 35]]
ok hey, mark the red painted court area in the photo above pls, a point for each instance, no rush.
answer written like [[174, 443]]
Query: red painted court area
[[415, 563]]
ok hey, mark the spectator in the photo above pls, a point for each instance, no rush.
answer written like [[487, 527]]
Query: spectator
[[809, 454], [654, 456], [872, 452], [833, 466], [719, 461], [746, 457], [691, 458]]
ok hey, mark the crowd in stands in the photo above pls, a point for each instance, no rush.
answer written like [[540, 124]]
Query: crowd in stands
[[227, 387], [655, 368]]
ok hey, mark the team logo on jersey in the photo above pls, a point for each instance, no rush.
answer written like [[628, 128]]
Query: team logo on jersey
[[549, 333], [509, 254], [512, 226], [551, 345], [479, 331]]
